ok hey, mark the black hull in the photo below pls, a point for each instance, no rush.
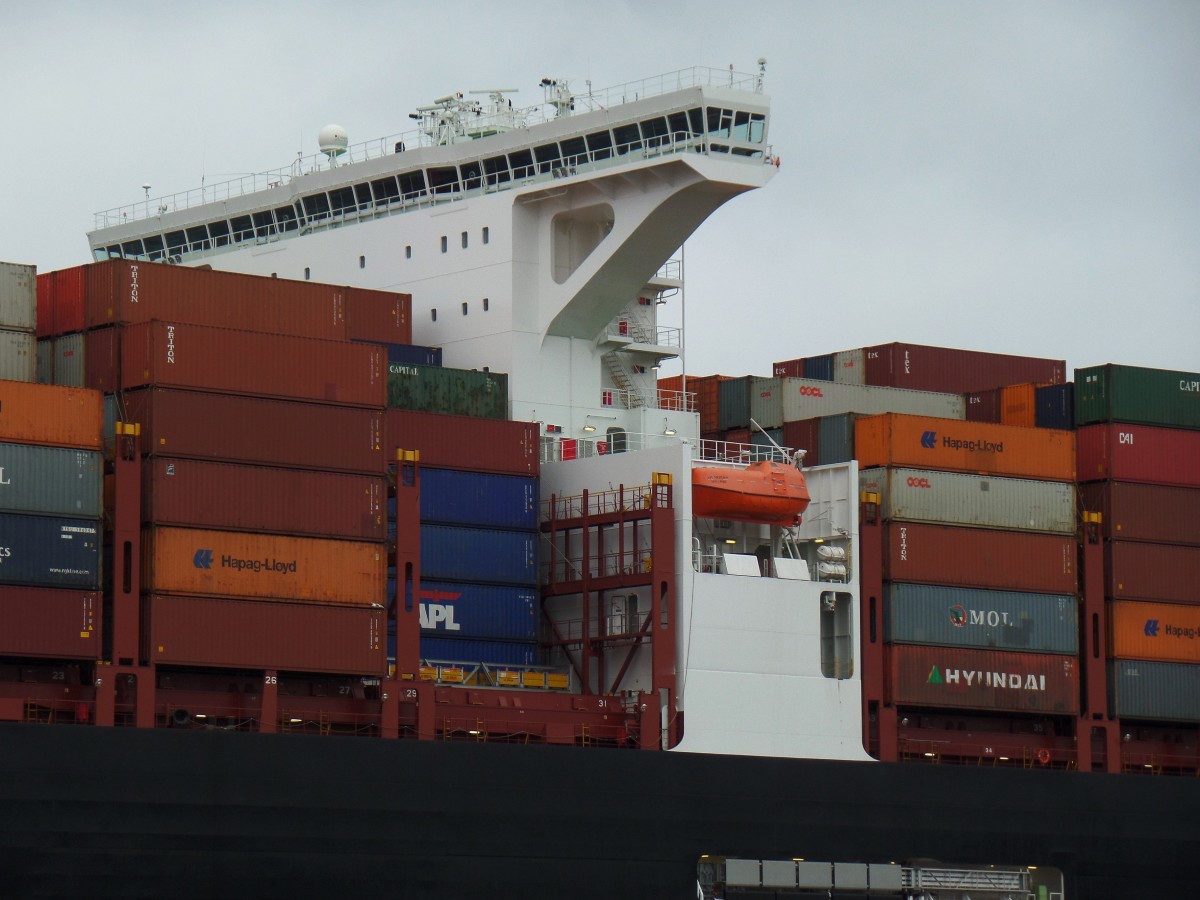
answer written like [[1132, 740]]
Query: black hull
[[104, 812]]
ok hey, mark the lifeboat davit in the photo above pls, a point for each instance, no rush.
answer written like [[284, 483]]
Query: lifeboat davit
[[769, 492]]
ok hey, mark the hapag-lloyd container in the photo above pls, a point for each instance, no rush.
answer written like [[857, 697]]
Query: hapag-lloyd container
[[50, 415], [979, 447], [979, 557], [18, 297], [121, 291], [49, 551], [1166, 632], [484, 555], [60, 302], [983, 679], [459, 392], [384, 317], [774, 401], [1156, 513], [1138, 453], [945, 498], [250, 634], [1156, 691], [970, 617], [56, 624], [224, 496], [922, 368], [464, 610], [50, 481], [18, 356], [224, 360], [463, 442], [481, 499], [264, 566], [228, 428], [491, 653], [1113, 393], [1153, 571]]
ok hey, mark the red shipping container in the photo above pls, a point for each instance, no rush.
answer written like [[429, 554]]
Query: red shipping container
[[247, 634], [228, 428], [121, 291], [1153, 571], [1138, 453], [952, 371], [985, 680], [223, 360], [1144, 512], [464, 442], [59, 624], [102, 359], [60, 302], [983, 406], [384, 317], [804, 435], [789, 368], [223, 496], [983, 558]]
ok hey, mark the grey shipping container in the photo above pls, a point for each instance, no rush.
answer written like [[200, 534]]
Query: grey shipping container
[[950, 498], [1157, 691], [849, 367], [774, 401], [45, 551], [18, 356], [50, 481], [18, 297], [45, 361], [835, 437], [61, 360], [733, 404], [971, 617]]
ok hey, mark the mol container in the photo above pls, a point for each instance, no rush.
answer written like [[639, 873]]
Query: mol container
[[488, 653], [50, 415], [459, 392], [490, 611], [1156, 513], [979, 557], [1156, 691], [18, 297], [225, 496], [18, 356], [223, 360], [228, 428], [462, 442], [1136, 395], [951, 371], [1166, 632], [969, 617], [49, 551], [56, 624], [774, 401], [249, 634], [899, 440], [946, 498], [52, 481], [1152, 571], [264, 566], [989, 680], [484, 555], [384, 317], [453, 497], [1138, 453]]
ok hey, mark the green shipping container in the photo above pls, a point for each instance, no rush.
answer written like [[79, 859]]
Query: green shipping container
[[1140, 396], [460, 392]]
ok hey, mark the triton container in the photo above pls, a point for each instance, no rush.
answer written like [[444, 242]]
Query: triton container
[[54, 624], [461, 442], [987, 680], [1140, 396]]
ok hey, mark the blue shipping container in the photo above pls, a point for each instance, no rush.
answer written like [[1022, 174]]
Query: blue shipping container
[[835, 437], [413, 355], [1055, 406], [461, 610], [483, 555], [50, 481], [477, 498], [45, 551], [1164, 692], [819, 367], [492, 653]]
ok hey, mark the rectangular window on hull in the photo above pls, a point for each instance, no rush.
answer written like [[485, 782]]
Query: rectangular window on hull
[[487, 234], [837, 635]]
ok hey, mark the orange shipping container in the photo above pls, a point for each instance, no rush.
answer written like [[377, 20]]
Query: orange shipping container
[[1018, 405], [263, 566], [703, 386], [954, 446], [50, 415], [1163, 632]]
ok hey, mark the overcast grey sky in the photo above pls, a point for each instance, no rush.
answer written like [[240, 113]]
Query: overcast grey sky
[[1018, 177]]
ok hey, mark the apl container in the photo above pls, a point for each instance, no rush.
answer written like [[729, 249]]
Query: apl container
[[461, 610], [1142, 396], [1153, 571], [484, 555], [462, 442], [459, 392], [49, 551], [384, 317], [1154, 691], [1157, 513], [774, 401], [490, 653], [223, 360], [979, 557], [982, 448], [50, 481], [970, 617], [50, 415], [18, 356], [18, 297], [223, 496], [248, 634], [944, 498], [263, 566], [54, 624], [988, 680], [1166, 632], [479, 499], [952, 371], [1138, 453]]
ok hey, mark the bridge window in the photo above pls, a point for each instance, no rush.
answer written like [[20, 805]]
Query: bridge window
[[220, 233], [264, 224], [599, 144], [720, 122], [385, 190], [197, 238], [341, 200], [547, 157], [627, 138], [574, 151], [496, 168], [696, 117], [362, 193], [176, 243], [681, 129], [654, 130], [412, 184], [154, 246], [472, 175], [443, 180], [113, 252], [521, 163], [316, 206], [132, 250], [285, 218], [243, 230]]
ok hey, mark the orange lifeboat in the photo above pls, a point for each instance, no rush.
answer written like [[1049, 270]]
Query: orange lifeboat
[[767, 492]]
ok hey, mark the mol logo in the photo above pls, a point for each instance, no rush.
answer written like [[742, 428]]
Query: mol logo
[[929, 440], [1151, 629], [203, 559], [958, 616], [919, 483]]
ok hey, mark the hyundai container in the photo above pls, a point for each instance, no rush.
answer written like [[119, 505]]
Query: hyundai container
[[984, 680]]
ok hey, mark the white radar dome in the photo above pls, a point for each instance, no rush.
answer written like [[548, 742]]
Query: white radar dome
[[332, 140]]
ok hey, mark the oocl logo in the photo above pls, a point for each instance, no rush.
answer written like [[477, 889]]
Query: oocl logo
[[811, 392], [919, 483]]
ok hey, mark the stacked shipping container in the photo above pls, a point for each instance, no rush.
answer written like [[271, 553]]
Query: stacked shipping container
[[18, 320]]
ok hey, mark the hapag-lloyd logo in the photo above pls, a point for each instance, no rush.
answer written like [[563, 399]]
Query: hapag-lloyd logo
[[929, 440]]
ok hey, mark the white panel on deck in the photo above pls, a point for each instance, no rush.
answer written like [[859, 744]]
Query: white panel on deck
[[815, 875], [742, 564], [779, 873], [794, 569], [742, 873], [850, 876]]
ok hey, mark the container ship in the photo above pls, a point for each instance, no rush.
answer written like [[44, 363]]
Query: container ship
[[349, 539]]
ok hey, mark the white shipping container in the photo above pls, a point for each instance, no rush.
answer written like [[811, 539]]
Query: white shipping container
[[18, 356], [950, 498], [774, 401], [67, 361], [850, 367], [18, 297]]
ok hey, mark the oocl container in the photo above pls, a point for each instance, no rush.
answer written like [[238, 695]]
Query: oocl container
[[945, 498], [18, 356], [18, 297], [849, 367], [50, 415], [462, 442], [61, 360], [462, 610], [52, 481], [1155, 691], [56, 624], [460, 392], [248, 634], [774, 401], [263, 566], [899, 440], [480, 499], [970, 617], [978, 557], [1138, 453], [1153, 571], [49, 551], [484, 555], [952, 371], [1156, 513], [1166, 632], [983, 679], [1133, 394]]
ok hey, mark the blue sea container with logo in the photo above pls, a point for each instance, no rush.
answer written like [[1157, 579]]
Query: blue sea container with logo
[[49, 551], [481, 555], [463, 610]]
